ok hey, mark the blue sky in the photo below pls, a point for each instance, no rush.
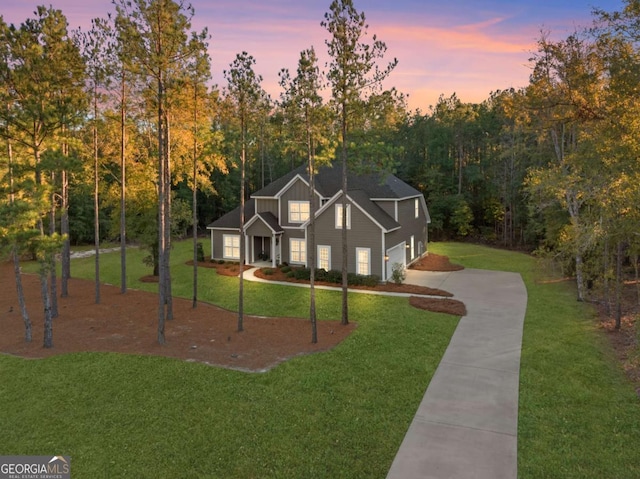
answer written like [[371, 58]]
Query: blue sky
[[467, 47]]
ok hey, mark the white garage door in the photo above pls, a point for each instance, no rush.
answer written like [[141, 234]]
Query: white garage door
[[396, 255]]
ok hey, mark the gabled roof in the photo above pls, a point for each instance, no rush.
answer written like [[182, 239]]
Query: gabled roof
[[232, 219], [268, 219], [363, 189], [328, 181], [380, 216]]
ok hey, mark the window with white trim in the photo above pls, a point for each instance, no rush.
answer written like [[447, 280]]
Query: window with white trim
[[324, 257], [416, 207], [297, 250], [363, 261], [339, 216], [231, 246], [298, 211]]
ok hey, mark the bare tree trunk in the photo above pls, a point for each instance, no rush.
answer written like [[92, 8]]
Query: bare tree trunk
[[636, 277], [64, 229], [619, 285], [242, 258], [311, 250], [96, 200], [195, 196], [161, 218], [580, 276], [53, 281], [123, 191], [20, 290], [607, 298], [345, 249], [46, 301], [167, 222]]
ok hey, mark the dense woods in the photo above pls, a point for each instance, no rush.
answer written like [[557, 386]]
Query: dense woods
[[116, 133]]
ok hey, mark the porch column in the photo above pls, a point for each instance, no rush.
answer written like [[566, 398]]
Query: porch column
[[273, 250]]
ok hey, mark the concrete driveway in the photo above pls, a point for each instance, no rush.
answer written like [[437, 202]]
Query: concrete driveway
[[467, 423]]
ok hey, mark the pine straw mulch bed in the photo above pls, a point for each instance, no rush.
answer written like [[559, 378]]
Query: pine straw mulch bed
[[127, 323], [430, 262]]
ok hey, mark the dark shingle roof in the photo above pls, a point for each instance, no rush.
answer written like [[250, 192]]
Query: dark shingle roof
[[271, 221], [377, 213], [328, 182], [232, 218]]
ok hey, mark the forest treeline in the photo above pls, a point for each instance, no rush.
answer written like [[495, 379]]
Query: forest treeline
[[117, 133]]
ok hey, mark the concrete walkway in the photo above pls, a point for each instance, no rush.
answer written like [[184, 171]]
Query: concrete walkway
[[467, 423]]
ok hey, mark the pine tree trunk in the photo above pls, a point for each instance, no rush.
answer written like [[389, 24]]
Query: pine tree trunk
[[53, 280], [96, 202], [311, 250], [194, 304], [64, 229], [167, 222], [607, 298], [123, 191], [46, 301], [345, 250], [20, 290], [161, 218], [242, 258], [619, 285]]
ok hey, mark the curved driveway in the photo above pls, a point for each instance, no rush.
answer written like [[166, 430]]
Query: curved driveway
[[467, 423]]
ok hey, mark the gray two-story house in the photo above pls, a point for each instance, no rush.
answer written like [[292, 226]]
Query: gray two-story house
[[386, 221]]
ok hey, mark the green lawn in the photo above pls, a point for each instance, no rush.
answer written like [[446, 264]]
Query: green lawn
[[579, 416], [341, 413]]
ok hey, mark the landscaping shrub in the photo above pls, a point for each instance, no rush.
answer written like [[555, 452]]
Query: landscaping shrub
[[199, 252], [285, 268], [321, 274], [267, 271], [302, 273], [398, 273], [334, 276], [290, 274]]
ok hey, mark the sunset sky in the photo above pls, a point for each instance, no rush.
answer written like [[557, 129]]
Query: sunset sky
[[467, 47]]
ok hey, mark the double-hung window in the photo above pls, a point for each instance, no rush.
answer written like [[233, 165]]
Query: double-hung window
[[298, 211], [324, 257], [231, 246], [363, 261], [339, 216], [298, 250]]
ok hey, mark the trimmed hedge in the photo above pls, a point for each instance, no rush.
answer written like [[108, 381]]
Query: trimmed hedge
[[333, 276]]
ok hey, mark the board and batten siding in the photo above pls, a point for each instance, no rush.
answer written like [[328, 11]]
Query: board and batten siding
[[264, 205], [411, 226], [298, 191], [364, 233]]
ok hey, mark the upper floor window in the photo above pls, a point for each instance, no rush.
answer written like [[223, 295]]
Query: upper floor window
[[416, 207], [339, 216], [298, 211]]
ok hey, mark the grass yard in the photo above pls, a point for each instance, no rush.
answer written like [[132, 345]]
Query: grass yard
[[579, 416], [342, 413]]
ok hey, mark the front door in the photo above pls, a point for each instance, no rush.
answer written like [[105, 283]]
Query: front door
[[261, 248]]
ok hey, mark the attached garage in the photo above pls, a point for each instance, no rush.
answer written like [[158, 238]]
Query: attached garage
[[397, 254]]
